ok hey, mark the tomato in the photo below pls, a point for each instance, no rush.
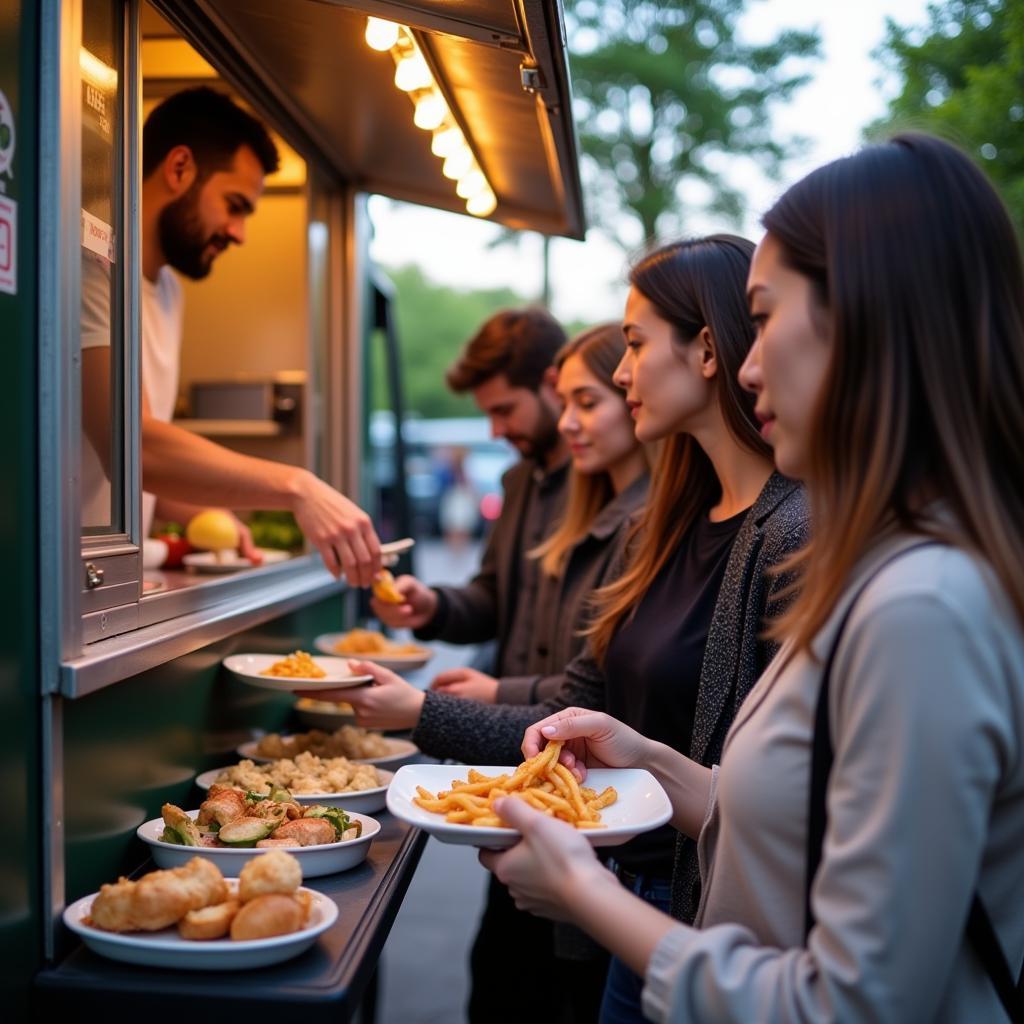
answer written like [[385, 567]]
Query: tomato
[[177, 547]]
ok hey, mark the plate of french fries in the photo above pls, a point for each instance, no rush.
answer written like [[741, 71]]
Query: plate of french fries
[[456, 804]]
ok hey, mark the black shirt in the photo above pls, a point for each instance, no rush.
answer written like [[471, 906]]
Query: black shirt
[[654, 660]]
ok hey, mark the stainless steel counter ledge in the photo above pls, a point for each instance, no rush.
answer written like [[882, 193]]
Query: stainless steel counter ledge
[[192, 617], [324, 984]]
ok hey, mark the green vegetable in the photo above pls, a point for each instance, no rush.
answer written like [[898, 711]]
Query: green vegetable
[[247, 831], [336, 816], [170, 836]]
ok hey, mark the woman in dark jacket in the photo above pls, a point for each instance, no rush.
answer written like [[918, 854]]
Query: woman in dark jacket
[[677, 639]]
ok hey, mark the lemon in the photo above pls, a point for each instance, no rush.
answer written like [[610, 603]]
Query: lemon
[[212, 530]]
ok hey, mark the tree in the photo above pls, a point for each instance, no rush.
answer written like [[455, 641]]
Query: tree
[[666, 96], [963, 78], [434, 322]]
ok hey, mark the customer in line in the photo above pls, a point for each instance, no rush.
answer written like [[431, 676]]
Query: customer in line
[[607, 484], [860, 841], [677, 640]]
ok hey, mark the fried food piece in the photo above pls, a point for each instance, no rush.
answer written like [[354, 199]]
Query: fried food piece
[[275, 844], [307, 832], [298, 665], [181, 825], [223, 804], [158, 899], [210, 922], [274, 872], [384, 588], [264, 916]]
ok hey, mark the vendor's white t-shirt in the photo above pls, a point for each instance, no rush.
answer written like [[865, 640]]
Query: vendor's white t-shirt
[[162, 312]]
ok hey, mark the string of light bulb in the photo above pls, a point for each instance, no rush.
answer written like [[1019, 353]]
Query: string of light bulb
[[414, 77]]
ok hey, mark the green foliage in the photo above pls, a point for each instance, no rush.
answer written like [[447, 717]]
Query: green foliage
[[963, 79], [434, 322], [666, 95]]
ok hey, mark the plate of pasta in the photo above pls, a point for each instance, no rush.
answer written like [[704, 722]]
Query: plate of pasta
[[455, 803], [296, 671]]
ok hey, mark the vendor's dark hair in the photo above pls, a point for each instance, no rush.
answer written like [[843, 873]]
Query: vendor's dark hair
[[919, 276], [212, 125]]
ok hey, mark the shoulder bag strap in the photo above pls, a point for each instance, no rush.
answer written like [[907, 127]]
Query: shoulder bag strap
[[979, 926]]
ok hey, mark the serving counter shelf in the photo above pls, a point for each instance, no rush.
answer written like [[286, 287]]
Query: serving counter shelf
[[325, 984]]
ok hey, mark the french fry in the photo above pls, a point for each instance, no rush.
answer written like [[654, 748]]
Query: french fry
[[541, 781]]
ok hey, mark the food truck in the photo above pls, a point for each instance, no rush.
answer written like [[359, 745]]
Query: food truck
[[113, 695]]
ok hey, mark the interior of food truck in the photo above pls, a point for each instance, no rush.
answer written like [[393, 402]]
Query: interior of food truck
[[120, 695]]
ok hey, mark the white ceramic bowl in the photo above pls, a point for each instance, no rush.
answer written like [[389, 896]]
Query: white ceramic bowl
[[314, 860], [250, 668], [327, 643], [362, 800], [642, 805], [323, 714], [398, 751], [166, 948]]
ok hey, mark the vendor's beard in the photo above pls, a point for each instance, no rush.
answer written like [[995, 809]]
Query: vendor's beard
[[182, 239]]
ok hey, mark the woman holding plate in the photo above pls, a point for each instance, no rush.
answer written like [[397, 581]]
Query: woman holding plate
[[880, 881]]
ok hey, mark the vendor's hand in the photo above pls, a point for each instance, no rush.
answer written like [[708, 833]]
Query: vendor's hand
[[551, 867], [468, 683], [389, 703], [419, 608], [246, 547], [338, 528], [591, 739]]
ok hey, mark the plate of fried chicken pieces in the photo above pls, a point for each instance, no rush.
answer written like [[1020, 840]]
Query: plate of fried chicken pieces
[[192, 917]]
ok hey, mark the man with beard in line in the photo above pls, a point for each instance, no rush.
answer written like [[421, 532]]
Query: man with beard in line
[[203, 169], [508, 367]]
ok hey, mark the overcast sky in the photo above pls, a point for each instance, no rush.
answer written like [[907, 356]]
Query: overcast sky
[[846, 93]]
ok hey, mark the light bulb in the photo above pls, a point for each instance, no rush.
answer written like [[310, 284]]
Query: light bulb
[[431, 111], [380, 34], [446, 141], [457, 165], [482, 204], [412, 73], [472, 184]]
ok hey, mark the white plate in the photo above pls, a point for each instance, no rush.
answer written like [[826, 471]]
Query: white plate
[[326, 642], [323, 714], [315, 860], [362, 800], [166, 948], [398, 751], [250, 668], [230, 561], [642, 805]]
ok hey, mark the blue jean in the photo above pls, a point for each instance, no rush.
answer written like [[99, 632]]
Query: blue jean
[[622, 990]]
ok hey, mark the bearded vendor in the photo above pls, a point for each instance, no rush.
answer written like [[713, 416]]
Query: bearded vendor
[[203, 169]]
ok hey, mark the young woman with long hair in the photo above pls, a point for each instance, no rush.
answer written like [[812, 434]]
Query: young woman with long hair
[[677, 639], [861, 838], [607, 484]]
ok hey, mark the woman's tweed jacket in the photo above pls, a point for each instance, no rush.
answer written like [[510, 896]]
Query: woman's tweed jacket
[[736, 654]]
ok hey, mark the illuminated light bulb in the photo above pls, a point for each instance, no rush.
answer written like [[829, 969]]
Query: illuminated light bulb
[[412, 73], [482, 204], [431, 110], [380, 34], [446, 141], [95, 71], [472, 184], [457, 165]]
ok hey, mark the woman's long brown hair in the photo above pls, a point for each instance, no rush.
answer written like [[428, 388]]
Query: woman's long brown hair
[[601, 350], [919, 274], [691, 284]]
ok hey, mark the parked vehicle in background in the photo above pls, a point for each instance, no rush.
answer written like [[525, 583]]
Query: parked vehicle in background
[[433, 449]]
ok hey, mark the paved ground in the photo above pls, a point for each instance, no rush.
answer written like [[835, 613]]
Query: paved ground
[[424, 967]]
